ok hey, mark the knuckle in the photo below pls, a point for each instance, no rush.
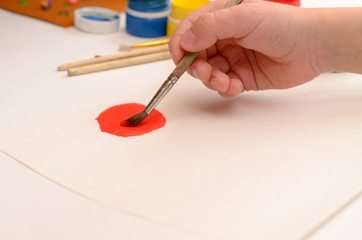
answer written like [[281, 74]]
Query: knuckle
[[205, 22]]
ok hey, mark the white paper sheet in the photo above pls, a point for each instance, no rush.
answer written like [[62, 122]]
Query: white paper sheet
[[268, 165], [32, 207]]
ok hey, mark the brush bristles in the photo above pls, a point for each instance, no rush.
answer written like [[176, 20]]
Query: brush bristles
[[134, 120]]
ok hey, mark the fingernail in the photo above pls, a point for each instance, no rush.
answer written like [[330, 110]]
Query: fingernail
[[189, 37], [194, 73], [213, 83]]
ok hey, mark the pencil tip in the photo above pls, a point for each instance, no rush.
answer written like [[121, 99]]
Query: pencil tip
[[124, 48]]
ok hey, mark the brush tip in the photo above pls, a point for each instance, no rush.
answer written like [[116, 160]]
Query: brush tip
[[134, 120]]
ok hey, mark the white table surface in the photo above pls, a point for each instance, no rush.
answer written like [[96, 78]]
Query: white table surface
[[33, 207]]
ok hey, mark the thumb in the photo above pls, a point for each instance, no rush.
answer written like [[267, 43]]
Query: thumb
[[235, 22]]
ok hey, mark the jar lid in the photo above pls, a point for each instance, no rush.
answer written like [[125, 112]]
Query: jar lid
[[148, 15], [149, 5], [181, 8], [96, 20]]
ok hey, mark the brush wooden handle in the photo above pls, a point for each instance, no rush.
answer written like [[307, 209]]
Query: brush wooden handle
[[185, 63], [119, 63], [122, 55], [233, 3]]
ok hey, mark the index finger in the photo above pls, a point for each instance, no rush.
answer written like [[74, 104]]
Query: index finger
[[176, 50]]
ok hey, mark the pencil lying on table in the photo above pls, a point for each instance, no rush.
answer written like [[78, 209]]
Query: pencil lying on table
[[123, 59], [124, 62], [143, 44]]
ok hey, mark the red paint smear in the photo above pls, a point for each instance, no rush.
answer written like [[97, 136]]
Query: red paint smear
[[110, 119], [290, 2]]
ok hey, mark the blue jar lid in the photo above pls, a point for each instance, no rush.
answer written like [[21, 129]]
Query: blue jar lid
[[149, 5]]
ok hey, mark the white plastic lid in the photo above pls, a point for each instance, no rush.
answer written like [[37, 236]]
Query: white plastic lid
[[96, 20]]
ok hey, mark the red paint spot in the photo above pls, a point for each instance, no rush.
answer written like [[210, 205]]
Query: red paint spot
[[110, 119], [290, 2]]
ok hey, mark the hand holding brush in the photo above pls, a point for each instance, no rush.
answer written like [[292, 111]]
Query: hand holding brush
[[264, 45], [184, 64]]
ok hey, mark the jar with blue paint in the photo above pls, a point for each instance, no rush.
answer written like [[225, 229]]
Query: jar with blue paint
[[147, 18]]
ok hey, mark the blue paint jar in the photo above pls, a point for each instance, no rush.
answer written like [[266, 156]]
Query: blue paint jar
[[147, 18]]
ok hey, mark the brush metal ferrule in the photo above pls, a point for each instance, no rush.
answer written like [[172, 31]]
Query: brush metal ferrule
[[161, 93]]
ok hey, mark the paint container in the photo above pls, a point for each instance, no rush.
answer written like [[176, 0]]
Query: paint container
[[96, 20], [147, 18], [179, 10], [290, 2]]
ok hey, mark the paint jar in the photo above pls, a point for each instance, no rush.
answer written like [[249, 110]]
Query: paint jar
[[147, 18], [290, 2], [96, 20], [179, 10]]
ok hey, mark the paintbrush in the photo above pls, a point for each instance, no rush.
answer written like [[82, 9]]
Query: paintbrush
[[143, 44], [185, 63]]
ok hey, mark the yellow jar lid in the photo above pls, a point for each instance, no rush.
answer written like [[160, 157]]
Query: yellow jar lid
[[181, 8]]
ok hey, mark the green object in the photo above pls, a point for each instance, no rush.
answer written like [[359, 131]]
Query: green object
[[68, 5], [65, 13], [23, 2]]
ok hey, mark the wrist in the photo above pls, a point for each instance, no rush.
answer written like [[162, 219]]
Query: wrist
[[338, 39]]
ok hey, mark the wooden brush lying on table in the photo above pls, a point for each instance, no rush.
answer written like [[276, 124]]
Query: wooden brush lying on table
[[185, 63], [118, 60]]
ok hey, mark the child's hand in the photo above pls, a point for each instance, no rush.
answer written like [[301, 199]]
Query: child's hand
[[256, 45]]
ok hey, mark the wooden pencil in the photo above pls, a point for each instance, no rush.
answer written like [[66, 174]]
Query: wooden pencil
[[124, 62], [143, 44], [122, 55], [150, 44]]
